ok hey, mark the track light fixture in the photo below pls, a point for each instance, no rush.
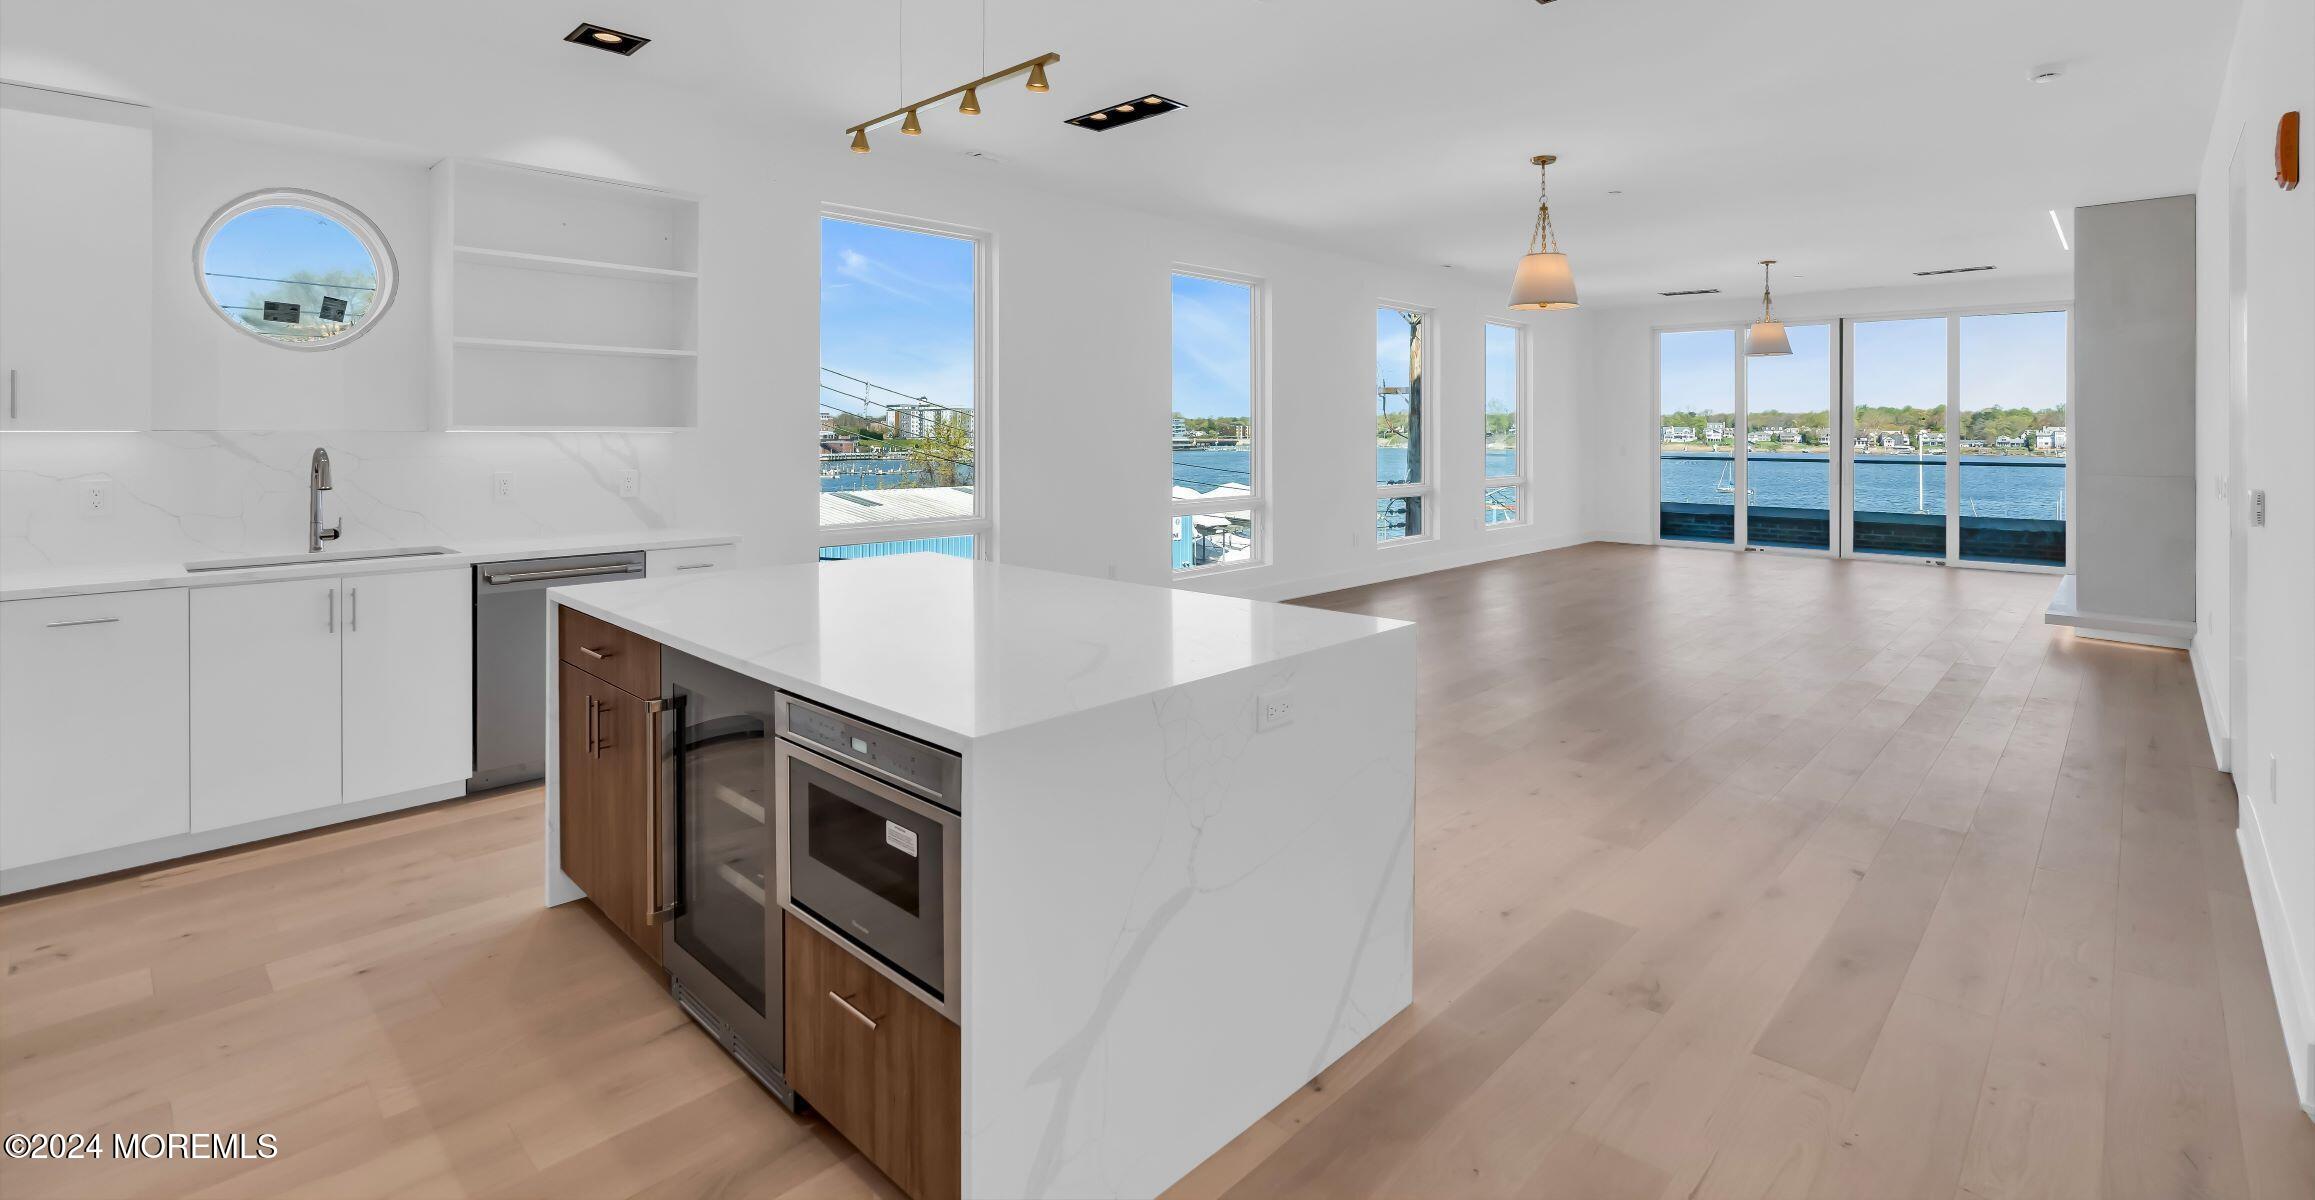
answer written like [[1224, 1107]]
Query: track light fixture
[[1035, 68]]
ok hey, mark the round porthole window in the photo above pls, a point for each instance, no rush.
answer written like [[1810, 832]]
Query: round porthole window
[[295, 268]]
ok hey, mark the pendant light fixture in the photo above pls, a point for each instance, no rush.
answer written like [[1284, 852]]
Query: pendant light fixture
[[1543, 279], [1766, 338], [971, 89]]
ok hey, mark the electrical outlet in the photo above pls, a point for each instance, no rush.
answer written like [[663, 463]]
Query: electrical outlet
[[1273, 709], [630, 483], [502, 485], [96, 498]]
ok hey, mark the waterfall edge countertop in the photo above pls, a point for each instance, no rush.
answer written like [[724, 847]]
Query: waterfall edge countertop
[[953, 649]]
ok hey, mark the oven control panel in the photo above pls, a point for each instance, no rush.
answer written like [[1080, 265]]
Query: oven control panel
[[929, 770]]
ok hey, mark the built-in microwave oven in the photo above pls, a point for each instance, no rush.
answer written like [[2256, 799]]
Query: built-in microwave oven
[[871, 819]]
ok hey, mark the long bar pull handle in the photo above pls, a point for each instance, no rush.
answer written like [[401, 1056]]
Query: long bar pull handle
[[353, 610], [330, 613], [857, 1015], [82, 621], [11, 393], [563, 573], [591, 710], [693, 566], [655, 908]]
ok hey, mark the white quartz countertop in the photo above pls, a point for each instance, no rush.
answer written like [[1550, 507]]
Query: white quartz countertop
[[954, 649], [86, 579]]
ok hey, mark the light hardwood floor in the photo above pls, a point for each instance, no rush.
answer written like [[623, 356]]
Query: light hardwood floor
[[1740, 876]]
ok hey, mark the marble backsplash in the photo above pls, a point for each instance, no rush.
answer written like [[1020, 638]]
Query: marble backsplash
[[176, 496]]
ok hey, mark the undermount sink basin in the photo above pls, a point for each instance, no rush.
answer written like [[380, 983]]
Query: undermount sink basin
[[291, 560]]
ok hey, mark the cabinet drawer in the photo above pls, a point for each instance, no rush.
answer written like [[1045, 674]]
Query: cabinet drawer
[[616, 656], [689, 560], [876, 1062]]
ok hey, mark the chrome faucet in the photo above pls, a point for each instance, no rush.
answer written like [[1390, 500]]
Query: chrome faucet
[[315, 533]]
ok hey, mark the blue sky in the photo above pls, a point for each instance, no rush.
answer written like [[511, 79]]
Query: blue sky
[[896, 308], [280, 242], [1213, 347], [1502, 385], [2008, 360]]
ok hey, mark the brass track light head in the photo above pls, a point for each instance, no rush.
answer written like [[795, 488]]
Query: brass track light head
[[910, 125], [1037, 81], [859, 141], [972, 103]]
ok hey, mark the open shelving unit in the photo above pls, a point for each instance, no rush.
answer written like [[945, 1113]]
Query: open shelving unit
[[563, 302]]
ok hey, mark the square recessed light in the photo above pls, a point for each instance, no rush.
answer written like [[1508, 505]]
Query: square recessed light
[[1126, 112], [590, 34]]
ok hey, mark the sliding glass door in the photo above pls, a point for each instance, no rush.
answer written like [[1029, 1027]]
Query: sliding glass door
[[1896, 442], [1696, 460], [2011, 427], [1787, 415]]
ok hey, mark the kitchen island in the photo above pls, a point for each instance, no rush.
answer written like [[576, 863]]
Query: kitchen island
[[1185, 860]]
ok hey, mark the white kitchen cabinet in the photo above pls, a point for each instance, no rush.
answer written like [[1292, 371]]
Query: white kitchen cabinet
[[408, 664], [76, 252], [265, 678], [689, 560], [93, 723]]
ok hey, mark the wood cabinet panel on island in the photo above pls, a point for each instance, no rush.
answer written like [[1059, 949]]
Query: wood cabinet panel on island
[[879, 1064], [607, 764]]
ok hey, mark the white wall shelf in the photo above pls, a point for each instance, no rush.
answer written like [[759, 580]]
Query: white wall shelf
[[563, 301]]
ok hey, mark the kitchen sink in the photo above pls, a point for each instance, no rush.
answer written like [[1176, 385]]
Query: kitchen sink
[[292, 560]]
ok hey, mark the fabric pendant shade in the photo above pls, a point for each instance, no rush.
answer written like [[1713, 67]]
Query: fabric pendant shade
[[1767, 338], [1543, 281]]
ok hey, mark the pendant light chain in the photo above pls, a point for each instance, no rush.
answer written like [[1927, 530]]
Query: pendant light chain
[[1544, 239], [1765, 310]]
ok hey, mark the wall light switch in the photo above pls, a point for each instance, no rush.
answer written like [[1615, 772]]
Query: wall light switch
[[630, 483], [502, 485], [96, 498], [1273, 709]]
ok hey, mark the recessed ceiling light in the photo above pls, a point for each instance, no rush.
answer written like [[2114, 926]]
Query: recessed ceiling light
[[590, 34], [1119, 115]]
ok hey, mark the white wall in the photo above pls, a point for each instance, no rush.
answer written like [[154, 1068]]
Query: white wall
[[2271, 742], [1620, 433], [1081, 312]]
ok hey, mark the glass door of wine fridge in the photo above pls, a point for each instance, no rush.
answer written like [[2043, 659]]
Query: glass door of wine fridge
[[723, 944]]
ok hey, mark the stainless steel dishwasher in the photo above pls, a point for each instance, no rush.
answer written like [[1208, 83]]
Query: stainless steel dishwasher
[[511, 641]]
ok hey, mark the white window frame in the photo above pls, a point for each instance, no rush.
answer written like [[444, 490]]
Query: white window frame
[[1257, 500], [1522, 389], [1844, 482], [1427, 491], [982, 525]]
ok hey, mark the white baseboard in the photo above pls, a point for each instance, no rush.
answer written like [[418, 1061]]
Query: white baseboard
[[2294, 1000], [141, 854], [2115, 627], [2214, 718]]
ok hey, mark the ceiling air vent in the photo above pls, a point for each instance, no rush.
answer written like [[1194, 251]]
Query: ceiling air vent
[[1693, 292], [1954, 271]]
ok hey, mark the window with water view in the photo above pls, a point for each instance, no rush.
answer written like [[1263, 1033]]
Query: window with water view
[[1401, 454], [1505, 469], [899, 347], [1215, 487]]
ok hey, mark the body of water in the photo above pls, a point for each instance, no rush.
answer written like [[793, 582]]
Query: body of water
[[2032, 488], [1206, 470]]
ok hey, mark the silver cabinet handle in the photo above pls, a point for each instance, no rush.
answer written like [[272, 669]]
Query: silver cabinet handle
[[353, 610], [655, 910], [330, 613], [693, 566], [82, 621], [562, 573], [857, 1015], [11, 393]]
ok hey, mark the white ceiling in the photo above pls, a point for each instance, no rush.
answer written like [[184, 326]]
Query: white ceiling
[[1856, 141]]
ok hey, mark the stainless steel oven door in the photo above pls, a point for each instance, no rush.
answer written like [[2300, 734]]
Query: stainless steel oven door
[[875, 868]]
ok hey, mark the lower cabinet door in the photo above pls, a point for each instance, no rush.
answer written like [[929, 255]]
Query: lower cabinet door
[[883, 1068], [265, 700], [92, 723], [409, 681], [607, 819]]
